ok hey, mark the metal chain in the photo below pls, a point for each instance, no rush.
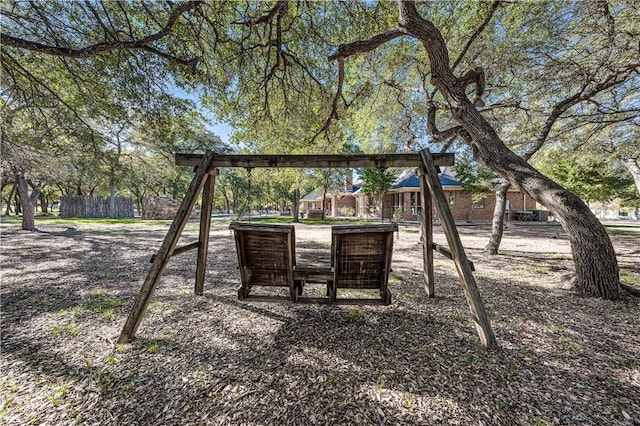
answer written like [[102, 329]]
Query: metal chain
[[249, 190]]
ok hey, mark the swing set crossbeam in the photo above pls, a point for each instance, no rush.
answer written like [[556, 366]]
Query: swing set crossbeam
[[315, 161]]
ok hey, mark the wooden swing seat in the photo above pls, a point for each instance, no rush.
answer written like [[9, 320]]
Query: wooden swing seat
[[361, 259], [266, 257]]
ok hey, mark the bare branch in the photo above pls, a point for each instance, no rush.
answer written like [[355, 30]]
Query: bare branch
[[333, 114], [476, 76], [362, 46], [105, 46], [446, 136], [477, 33], [278, 8]]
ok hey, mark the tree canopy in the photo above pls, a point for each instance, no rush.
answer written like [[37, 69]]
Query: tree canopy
[[504, 78]]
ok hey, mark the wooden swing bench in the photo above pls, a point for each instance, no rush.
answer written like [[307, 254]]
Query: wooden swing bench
[[360, 259], [360, 256]]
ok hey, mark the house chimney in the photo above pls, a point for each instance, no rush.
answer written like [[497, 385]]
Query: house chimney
[[348, 181]]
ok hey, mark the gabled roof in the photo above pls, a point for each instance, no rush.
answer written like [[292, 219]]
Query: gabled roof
[[405, 180], [312, 196], [410, 180]]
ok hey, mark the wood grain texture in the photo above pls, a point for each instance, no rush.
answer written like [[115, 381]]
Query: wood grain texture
[[315, 161]]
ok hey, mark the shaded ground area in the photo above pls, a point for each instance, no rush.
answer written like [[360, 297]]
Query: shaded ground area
[[66, 292]]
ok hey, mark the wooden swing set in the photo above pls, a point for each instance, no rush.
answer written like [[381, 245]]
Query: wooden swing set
[[206, 167]]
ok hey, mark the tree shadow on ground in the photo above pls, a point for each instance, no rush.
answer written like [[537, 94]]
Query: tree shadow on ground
[[214, 359]]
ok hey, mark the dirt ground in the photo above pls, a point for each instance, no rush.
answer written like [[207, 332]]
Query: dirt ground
[[67, 290]]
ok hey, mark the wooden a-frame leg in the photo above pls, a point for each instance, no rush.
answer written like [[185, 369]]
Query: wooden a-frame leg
[[471, 293], [427, 236], [205, 227], [164, 253]]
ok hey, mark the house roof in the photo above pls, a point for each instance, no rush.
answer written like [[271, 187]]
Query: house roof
[[410, 180], [312, 196], [405, 180]]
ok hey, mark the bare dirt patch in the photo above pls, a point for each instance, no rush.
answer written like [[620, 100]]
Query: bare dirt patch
[[66, 292]]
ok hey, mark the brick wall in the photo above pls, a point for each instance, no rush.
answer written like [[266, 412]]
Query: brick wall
[[462, 204], [343, 201]]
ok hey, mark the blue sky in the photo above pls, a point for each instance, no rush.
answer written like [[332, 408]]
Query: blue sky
[[221, 129]]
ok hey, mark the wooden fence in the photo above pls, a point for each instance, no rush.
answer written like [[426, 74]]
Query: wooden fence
[[88, 206]]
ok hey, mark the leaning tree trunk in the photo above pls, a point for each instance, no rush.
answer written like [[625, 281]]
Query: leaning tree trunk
[[634, 169], [595, 260], [28, 210], [497, 224]]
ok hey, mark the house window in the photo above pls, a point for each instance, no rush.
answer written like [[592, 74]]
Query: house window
[[416, 207], [452, 197], [360, 211], [398, 202], [478, 204]]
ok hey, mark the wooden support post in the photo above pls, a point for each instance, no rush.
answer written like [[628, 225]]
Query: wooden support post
[[471, 293], [427, 236], [205, 227], [164, 253]]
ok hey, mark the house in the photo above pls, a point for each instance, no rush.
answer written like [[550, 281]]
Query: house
[[404, 197], [402, 202], [336, 203]]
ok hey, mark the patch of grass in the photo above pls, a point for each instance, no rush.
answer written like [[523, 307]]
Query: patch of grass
[[396, 277], [153, 347], [568, 345], [629, 278], [619, 230], [70, 329], [58, 395], [88, 221], [111, 359], [356, 314], [539, 422], [103, 305], [105, 380], [540, 270]]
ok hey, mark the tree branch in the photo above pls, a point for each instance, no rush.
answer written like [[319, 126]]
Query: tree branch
[[333, 114], [477, 33], [279, 7], [362, 46], [92, 50], [476, 76], [445, 137]]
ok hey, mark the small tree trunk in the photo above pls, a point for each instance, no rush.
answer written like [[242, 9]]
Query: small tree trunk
[[28, 215], [112, 194], [296, 205], [472, 210], [17, 201], [44, 203], [497, 225], [10, 199], [226, 202], [324, 203]]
